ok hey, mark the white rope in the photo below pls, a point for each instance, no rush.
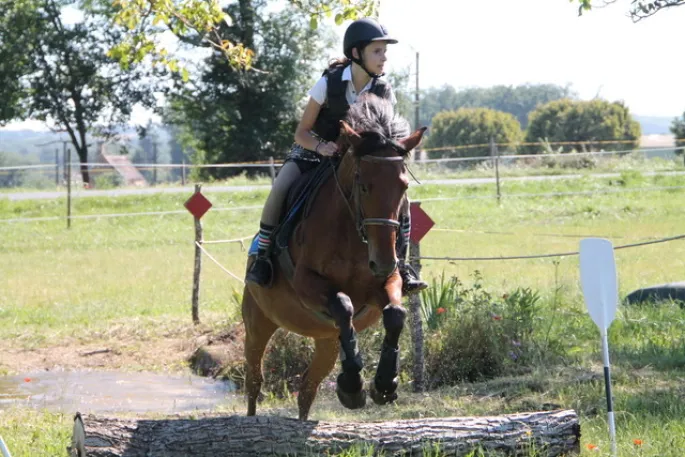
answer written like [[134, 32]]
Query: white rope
[[234, 240], [98, 216], [552, 194], [544, 256], [495, 232], [27, 167], [536, 156], [218, 264]]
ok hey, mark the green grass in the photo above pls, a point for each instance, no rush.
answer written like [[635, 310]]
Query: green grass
[[130, 278]]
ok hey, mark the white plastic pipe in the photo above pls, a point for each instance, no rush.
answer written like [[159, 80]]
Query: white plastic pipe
[[3, 449]]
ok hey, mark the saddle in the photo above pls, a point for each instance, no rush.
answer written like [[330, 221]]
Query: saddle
[[298, 206]]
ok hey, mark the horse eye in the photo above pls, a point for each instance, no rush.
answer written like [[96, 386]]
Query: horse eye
[[364, 189]]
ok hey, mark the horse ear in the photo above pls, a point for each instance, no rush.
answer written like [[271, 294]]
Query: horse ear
[[346, 130], [413, 140]]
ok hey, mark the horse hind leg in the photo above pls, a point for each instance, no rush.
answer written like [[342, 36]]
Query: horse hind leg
[[323, 361], [258, 332], [384, 386]]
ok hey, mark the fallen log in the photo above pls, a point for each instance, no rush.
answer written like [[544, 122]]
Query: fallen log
[[546, 433]]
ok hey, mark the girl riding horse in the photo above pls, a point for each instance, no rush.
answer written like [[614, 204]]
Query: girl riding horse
[[364, 45]]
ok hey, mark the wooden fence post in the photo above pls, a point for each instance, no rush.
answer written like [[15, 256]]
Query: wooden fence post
[[416, 319], [68, 172], [198, 265], [494, 152], [56, 167]]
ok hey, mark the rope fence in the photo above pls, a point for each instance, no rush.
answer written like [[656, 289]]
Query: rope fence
[[277, 163], [414, 259], [555, 194], [115, 215], [241, 240], [544, 256], [495, 232], [226, 270], [429, 199], [414, 255]]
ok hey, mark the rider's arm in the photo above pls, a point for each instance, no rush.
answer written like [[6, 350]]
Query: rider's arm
[[302, 135]]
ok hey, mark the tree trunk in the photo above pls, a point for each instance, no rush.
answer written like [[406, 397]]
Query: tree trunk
[[82, 152], [552, 433], [85, 174]]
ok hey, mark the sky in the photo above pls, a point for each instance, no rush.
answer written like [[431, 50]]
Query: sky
[[481, 43]]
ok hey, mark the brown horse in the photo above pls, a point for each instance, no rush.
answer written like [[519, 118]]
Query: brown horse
[[345, 276]]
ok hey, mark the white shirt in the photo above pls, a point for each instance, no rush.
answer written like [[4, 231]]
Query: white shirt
[[320, 89]]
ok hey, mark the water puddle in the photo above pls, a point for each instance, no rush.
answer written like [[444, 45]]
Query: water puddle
[[98, 392]]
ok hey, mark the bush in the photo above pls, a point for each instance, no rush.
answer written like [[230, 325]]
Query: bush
[[285, 360], [595, 123], [480, 337], [473, 126]]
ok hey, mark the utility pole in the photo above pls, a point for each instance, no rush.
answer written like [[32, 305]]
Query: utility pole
[[416, 94]]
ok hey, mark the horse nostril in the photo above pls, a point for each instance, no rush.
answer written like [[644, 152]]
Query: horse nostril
[[372, 266]]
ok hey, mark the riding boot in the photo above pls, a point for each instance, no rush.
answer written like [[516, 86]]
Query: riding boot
[[261, 271], [411, 283]]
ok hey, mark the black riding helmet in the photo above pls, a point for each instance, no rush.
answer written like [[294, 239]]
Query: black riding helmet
[[359, 34]]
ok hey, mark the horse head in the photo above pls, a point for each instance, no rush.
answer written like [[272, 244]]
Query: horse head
[[377, 157]]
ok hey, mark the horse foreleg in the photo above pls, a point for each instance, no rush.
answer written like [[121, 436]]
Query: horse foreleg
[[384, 386], [350, 385], [258, 332], [323, 361]]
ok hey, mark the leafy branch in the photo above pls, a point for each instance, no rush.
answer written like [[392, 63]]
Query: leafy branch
[[639, 9], [198, 23]]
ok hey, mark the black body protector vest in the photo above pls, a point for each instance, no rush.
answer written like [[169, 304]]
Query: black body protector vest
[[327, 125]]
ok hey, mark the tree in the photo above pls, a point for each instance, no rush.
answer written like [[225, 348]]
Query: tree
[[233, 114], [404, 93], [592, 121], [639, 9], [14, 62], [199, 22], [473, 126], [678, 130], [66, 78], [519, 100]]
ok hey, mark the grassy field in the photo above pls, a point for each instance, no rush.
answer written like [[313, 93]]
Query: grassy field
[[126, 282]]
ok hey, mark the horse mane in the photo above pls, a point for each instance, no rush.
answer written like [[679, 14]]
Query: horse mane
[[375, 120]]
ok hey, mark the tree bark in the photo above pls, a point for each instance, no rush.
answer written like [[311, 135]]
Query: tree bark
[[549, 433]]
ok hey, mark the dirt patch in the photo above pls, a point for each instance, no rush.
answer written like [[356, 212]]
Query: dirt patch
[[169, 354]]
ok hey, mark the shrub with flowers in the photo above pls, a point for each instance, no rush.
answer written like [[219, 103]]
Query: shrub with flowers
[[472, 335]]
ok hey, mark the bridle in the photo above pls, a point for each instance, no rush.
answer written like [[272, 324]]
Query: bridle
[[360, 221]]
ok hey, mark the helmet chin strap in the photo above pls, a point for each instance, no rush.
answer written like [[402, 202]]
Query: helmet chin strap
[[361, 64]]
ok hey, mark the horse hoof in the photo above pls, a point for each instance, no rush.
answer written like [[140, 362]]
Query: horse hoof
[[382, 397], [354, 400]]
